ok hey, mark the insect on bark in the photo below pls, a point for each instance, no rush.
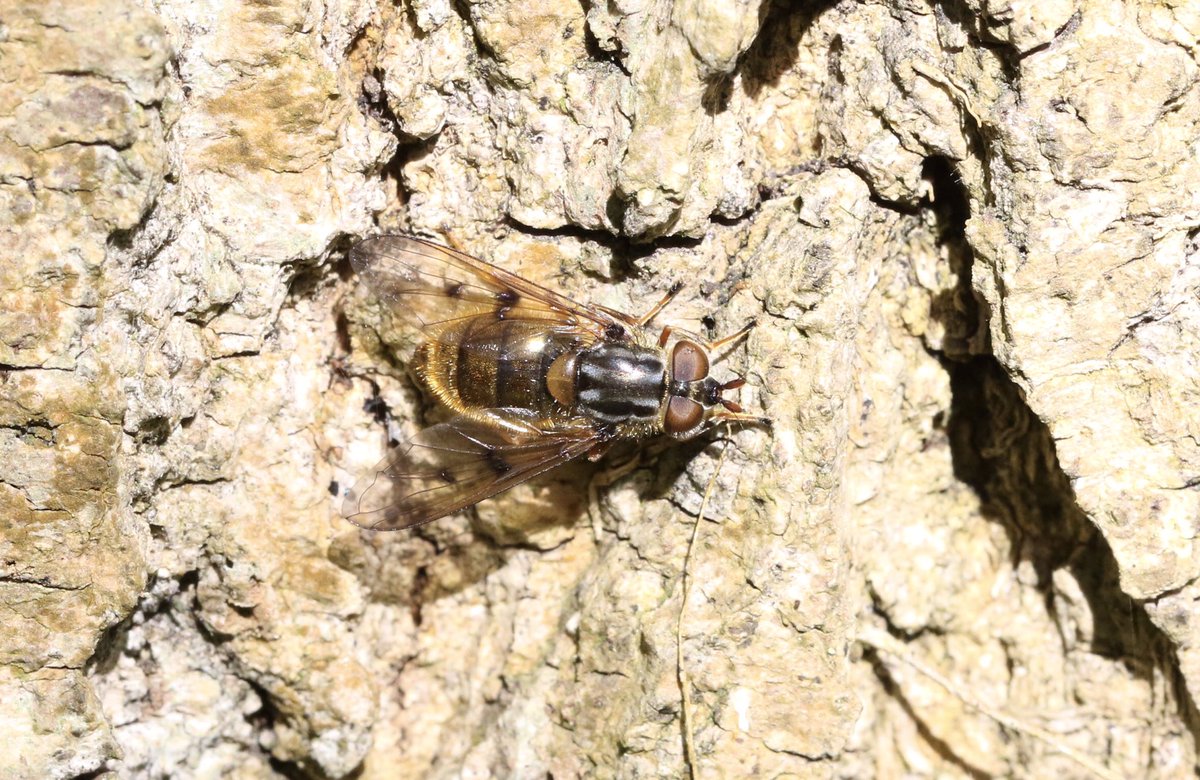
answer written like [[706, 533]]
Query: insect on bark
[[534, 379]]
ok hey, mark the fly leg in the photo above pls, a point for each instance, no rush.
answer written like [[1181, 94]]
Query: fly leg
[[656, 308], [743, 418], [713, 346], [599, 451]]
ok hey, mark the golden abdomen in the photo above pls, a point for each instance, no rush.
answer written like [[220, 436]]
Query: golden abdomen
[[483, 363]]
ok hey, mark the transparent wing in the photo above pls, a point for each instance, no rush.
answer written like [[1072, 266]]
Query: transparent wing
[[432, 284], [455, 464]]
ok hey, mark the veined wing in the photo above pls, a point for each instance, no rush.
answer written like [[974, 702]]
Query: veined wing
[[433, 284], [450, 466]]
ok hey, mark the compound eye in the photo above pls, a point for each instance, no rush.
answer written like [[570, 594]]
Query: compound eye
[[683, 414], [688, 362]]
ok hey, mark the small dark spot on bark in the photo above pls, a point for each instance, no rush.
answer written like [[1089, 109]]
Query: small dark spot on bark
[[377, 408]]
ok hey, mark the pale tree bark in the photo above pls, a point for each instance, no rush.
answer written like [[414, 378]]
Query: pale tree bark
[[966, 548]]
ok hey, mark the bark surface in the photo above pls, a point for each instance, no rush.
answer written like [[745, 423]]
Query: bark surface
[[970, 236]]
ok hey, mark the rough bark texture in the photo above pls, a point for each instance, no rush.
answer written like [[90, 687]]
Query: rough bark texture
[[969, 234]]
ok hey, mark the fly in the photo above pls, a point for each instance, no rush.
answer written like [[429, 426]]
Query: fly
[[533, 379]]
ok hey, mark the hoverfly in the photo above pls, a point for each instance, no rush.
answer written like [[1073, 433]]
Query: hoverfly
[[532, 378]]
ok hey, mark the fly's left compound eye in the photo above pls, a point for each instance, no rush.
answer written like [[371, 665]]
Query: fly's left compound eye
[[688, 362], [683, 414]]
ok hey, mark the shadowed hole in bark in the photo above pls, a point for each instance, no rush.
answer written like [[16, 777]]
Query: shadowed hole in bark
[[974, 25], [341, 327], [114, 641], [110, 647], [420, 584], [626, 253], [373, 102], [776, 49], [717, 93], [1006, 454], [124, 238], [305, 283], [263, 721], [94, 775], [34, 432], [154, 430], [614, 209], [615, 57]]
